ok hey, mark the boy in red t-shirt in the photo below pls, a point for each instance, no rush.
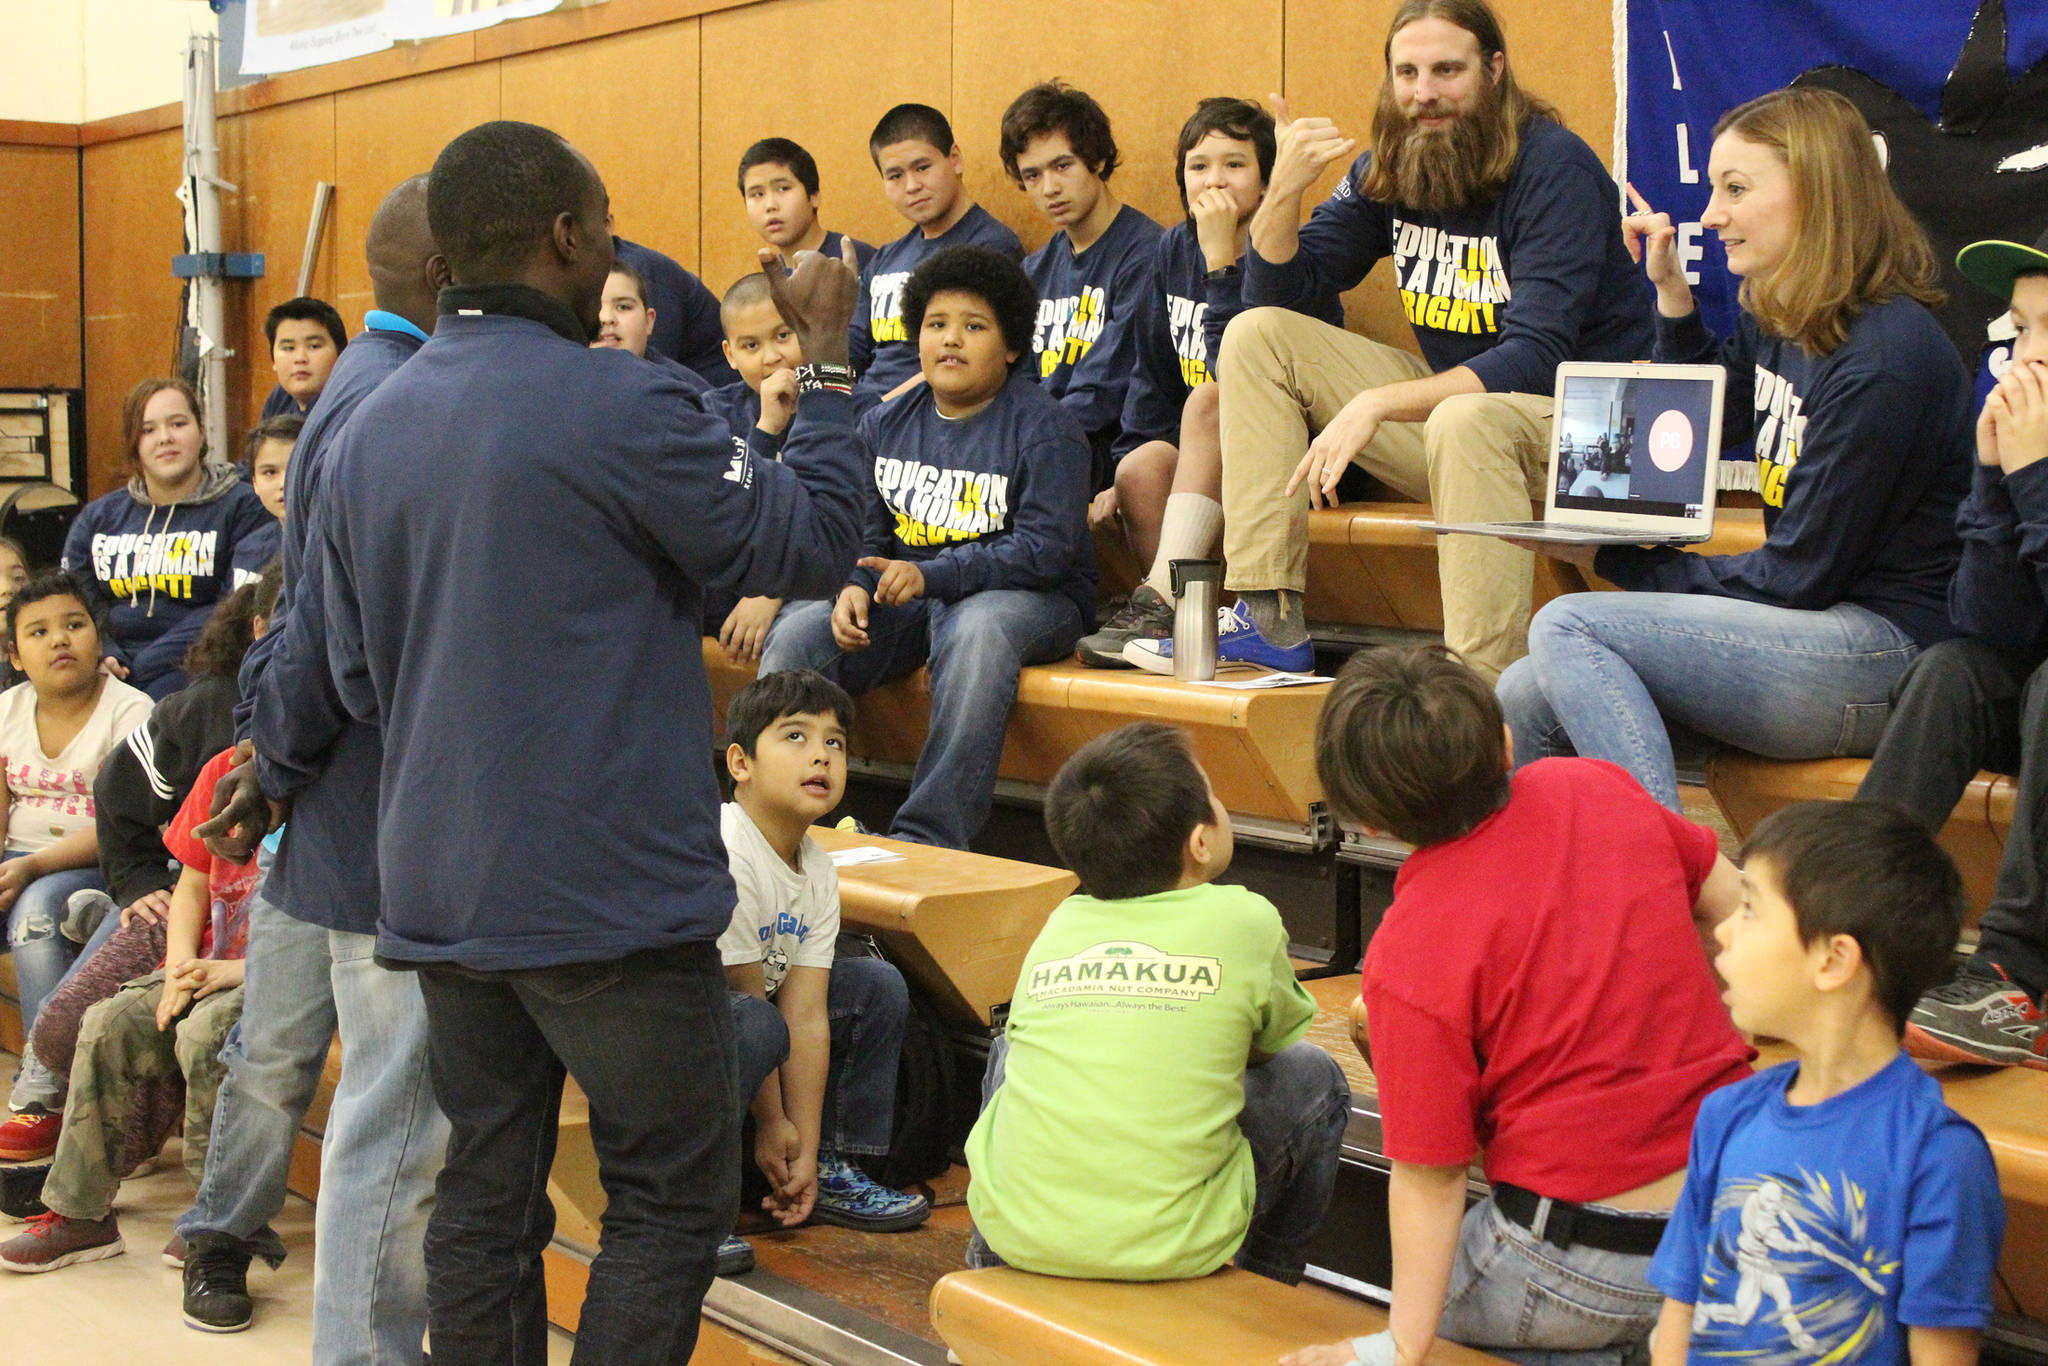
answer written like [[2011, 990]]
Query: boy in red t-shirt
[[167, 1025], [1537, 991]]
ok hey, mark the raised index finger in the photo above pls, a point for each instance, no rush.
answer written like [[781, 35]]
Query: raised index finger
[[1635, 197]]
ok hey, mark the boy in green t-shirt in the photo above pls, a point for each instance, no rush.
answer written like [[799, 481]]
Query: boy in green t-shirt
[[1150, 1111]]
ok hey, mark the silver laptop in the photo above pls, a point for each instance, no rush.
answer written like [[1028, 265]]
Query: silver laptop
[[1635, 457]]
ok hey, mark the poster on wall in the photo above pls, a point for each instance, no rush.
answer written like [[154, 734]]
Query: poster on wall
[[1956, 92], [286, 35]]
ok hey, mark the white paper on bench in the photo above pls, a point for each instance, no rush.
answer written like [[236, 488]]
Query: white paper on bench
[[863, 853], [1272, 680]]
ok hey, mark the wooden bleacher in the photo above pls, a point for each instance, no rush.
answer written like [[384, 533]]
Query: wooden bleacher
[[1256, 746]]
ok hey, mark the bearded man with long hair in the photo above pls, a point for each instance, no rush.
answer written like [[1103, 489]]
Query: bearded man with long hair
[[1504, 232]]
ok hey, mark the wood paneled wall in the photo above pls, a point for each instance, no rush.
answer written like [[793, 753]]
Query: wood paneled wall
[[39, 304], [664, 95]]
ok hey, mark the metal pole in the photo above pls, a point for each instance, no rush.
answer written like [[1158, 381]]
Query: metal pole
[[203, 184]]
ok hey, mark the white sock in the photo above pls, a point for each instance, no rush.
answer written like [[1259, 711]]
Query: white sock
[[1188, 532]]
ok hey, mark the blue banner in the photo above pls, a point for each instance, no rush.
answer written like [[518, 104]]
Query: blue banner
[[1957, 92]]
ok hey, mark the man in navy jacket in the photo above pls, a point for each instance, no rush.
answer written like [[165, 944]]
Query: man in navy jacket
[[313, 927], [497, 594]]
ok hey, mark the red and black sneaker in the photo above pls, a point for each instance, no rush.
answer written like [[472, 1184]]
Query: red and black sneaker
[[52, 1241], [1983, 1016]]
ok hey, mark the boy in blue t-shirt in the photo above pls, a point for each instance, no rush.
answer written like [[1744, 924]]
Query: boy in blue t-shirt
[[779, 187], [924, 178], [975, 554], [1835, 1209]]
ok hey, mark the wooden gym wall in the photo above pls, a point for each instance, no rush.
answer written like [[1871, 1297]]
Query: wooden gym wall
[[664, 95]]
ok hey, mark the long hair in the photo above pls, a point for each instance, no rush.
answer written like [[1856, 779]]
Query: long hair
[[1499, 120], [1854, 243]]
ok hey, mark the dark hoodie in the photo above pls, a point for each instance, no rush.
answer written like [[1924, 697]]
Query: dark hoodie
[[155, 573]]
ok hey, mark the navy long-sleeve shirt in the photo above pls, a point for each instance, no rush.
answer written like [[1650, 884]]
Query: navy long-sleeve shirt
[[996, 500], [1090, 310], [498, 591], [308, 747], [2000, 589], [1508, 290], [1181, 333], [740, 406], [686, 326], [1862, 458], [883, 353]]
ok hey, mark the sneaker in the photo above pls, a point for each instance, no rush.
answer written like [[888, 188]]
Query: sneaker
[[1238, 641], [84, 912], [735, 1256], [174, 1252], [1982, 1016], [217, 1285], [53, 1241], [850, 1198], [29, 1138], [21, 1192], [1146, 615]]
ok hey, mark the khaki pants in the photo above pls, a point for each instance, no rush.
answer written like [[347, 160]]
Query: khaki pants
[[1479, 458]]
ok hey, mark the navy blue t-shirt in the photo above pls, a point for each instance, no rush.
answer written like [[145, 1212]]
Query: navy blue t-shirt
[[1507, 290], [883, 354], [1822, 1232], [1090, 307], [686, 326], [1181, 334]]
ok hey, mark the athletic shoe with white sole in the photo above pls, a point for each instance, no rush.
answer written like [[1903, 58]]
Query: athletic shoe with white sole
[[1238, 641], [1145, 615], [1982, 1016], [52, 1241]]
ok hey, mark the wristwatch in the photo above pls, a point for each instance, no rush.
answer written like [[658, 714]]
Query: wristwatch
[[815, 375]]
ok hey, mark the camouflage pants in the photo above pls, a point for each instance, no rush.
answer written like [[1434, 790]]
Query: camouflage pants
[[128, 1080]]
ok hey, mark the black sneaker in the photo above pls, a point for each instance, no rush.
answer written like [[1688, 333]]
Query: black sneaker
[[1147, 616], [1982, 1016], [735, 1256], [21, 1191], [217, 1284]]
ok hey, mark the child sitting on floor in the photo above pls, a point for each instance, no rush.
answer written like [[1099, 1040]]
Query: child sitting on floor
[[167, 1026], [1835, 1209], [818, 1035], [1537, 991], [1150, 1111]]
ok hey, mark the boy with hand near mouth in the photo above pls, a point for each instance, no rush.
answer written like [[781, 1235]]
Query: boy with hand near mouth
[[817, 1036]]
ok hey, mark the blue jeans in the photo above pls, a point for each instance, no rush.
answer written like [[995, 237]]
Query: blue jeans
[[383, 1146], [649, 1038], [1296, 1104], [1605, 671], [975, 647], [1542, 1305], [867, 1004], [36, 1084], [41, 954]]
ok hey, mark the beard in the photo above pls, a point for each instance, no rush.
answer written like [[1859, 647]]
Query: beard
[[1445, 169]]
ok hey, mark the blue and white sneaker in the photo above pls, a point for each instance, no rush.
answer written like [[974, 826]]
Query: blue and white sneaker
[[735, 1256], [1238, 641], [850, 1198]]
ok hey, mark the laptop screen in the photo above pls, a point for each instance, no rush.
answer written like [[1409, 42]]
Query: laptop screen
[[1633, 444]]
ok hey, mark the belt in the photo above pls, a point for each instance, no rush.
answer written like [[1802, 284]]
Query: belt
[[1563, 1224]]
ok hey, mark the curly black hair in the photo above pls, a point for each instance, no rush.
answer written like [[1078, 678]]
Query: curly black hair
[[1056, 107], [988, 275], [231, 630]]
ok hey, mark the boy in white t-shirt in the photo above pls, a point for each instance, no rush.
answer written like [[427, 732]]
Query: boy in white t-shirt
[[818, 1036]]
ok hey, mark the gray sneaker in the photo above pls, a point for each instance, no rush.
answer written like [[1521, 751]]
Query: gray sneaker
[[83, 913], [1981, 1016], [1146, 616]]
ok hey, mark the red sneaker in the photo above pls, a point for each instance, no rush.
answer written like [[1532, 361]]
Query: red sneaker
[[29, 1138], [53, 1241]]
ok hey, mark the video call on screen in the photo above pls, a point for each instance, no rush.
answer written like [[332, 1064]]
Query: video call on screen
[[1636, 445]]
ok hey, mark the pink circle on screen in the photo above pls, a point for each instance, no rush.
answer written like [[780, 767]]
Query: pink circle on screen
[[1671, 440]]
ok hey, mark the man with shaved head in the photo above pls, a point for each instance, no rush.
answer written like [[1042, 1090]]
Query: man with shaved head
[[513, 541], [313, 930]]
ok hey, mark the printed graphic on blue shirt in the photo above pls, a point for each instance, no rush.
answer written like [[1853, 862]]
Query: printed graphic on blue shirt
[[1780, 425], [160, 562], [935, 506], [1068, 327], [1184, 321], [1451, 282], [885, 306], [1792, 1274]]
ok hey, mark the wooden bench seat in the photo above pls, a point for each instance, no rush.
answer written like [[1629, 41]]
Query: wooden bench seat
[[1750, 788], [1258, 747], [1373, 564], [1002, 1317]]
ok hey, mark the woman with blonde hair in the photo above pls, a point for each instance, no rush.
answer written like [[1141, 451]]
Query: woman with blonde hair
[[1859, 408]]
